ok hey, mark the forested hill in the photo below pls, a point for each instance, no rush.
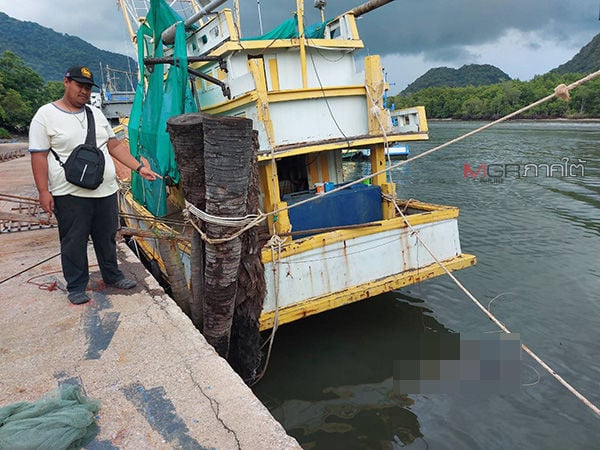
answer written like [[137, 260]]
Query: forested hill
[[587, 60], [467, 75], [49, 53]]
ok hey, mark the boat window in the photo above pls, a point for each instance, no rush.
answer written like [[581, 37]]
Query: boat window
[[292, 174]]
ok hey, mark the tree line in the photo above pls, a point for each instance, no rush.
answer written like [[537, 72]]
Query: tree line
[[497, 100], [22, 92]]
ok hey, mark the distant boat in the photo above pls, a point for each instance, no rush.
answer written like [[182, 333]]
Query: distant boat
[[116, 94], [394, 151]]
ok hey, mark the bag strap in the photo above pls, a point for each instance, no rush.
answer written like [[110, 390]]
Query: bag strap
[[91, 131], [56, 157], [90, 139]]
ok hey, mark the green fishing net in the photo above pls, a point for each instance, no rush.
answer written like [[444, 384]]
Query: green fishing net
[[289, 30], [62, 420], [162, 92]]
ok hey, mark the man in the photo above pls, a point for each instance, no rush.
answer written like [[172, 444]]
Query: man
[[62, 125]]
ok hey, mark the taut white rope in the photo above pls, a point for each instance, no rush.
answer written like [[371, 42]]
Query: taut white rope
[[503, 327]]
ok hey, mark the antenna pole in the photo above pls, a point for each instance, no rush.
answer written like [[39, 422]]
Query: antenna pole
[[259, 16]]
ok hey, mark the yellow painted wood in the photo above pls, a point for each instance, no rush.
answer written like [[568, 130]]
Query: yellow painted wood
[[353, 27], [388, 208], [272, 199], [256, 67], [375, 85], [258, 45], [316, 93], [313, 169], [423, 125], [318, 168], [283, 96], [363, 291], [300, 16], [323, 167], [431, 213], [351, 143], [231, 26], [274, 73], [378, 163]]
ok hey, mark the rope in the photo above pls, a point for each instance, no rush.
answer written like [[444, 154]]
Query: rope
[[223, 221], [561, 91], [252, 223], [29, 268], [375, 111], [275, 241], [493, 318]]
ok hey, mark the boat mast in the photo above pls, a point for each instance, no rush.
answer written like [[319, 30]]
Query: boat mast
[[126, 14], [320, 4], [300, 15]]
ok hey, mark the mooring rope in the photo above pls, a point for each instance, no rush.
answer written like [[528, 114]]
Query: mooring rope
[[222, 221], [274, 242], [561, 91], [488, 313]]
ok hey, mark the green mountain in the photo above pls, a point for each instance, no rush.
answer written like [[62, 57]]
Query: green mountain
[[586, 61], [49, 53], [467, 75]]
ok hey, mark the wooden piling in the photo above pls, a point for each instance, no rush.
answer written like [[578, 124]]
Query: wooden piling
[[244, 353], [187, 137], [220, 176], [227, 157]]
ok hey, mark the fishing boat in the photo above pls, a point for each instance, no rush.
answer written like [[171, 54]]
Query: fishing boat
[[330, 240], [116, 94]]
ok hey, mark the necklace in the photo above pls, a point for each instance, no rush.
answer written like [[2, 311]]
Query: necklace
[[76, 115]]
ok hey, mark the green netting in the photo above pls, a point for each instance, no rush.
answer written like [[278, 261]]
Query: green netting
[[62, 420], [289, 30], [285, 30], [316, 30], [157, 98]]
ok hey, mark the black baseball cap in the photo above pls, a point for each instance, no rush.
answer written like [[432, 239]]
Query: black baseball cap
[[80, 74]]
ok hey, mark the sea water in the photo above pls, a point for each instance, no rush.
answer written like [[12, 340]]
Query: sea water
[[331, 380]]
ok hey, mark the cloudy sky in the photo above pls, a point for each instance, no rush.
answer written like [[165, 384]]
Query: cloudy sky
[[521, 37]]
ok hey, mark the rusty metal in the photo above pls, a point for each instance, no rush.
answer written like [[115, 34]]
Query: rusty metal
[[368, 6], [7, 156], [27, 215]]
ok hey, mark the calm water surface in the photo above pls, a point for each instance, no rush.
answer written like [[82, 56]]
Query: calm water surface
[[330, 380]]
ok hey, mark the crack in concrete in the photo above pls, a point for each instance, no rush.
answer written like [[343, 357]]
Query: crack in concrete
[[214, 405]]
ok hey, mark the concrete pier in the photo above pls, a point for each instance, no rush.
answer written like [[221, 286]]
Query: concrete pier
[[160, 384]]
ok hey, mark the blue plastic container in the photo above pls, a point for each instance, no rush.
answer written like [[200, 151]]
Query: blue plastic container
[[355, 205]]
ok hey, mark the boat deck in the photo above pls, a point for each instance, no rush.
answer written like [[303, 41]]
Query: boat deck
[[159, 383]]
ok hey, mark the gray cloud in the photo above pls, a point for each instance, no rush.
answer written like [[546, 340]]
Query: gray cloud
[[422, 33], [406, 27], [421, 26]]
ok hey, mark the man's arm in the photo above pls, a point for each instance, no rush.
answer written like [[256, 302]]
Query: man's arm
[[39, 167], [119, 151]]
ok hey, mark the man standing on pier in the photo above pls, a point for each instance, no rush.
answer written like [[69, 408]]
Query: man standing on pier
[[81, 212]]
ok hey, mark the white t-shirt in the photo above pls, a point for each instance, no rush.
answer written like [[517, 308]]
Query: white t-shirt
[[52, 127]]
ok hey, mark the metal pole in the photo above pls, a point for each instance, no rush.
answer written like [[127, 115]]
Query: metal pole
[[368, 6], [259, 16], [168, 36]]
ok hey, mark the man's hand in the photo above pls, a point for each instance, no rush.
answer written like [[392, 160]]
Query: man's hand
[[148, 174], [47, 202]]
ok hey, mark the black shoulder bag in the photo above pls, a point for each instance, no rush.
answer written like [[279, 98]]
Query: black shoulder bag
[[85, 165]]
